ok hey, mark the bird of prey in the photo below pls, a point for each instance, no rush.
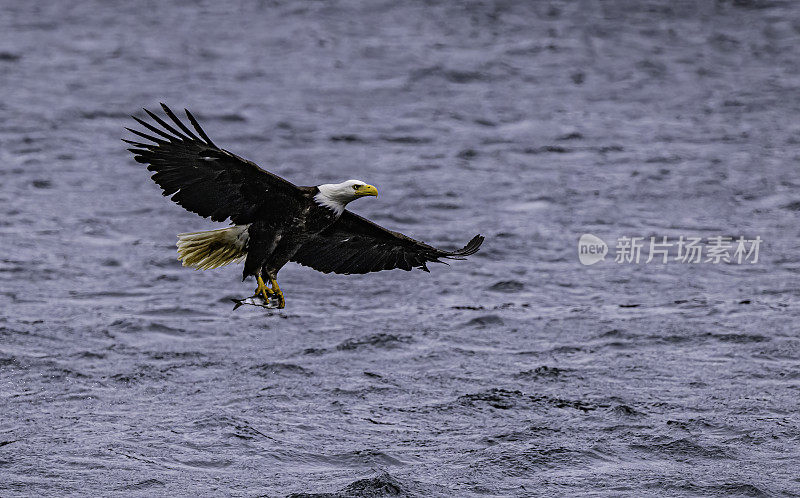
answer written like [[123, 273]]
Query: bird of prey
[[273, 222]]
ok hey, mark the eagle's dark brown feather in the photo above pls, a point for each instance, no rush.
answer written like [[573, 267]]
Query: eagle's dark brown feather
[[356, 245], [205, 179]]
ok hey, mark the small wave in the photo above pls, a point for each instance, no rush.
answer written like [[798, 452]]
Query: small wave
[[104, 114], [406, 139], [205, 464], [227, 117], [363, 458], [542, 372], [142, 485], [175, 355], [349, 138], [42, 184], [685, 448], [141, 374], [524, 463], [451, 75], [272, 369], [571, 136], [375, 341], [496, 398], [127, 325], [566, 350], [792, 206], [9, 57], [444, 205], [314, 351], [374, 487], [740, 338], [505, 399], [467, 154], [734, 489], [547, 149], [508, 286], [484, 321], [9, 361], [626, 411], [382, 485]]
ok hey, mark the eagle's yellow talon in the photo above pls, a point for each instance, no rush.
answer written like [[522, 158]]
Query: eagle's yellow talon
[[263, 289], [277, 292], [281, 300]]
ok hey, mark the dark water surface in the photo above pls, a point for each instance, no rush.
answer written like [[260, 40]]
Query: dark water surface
[[518, 372]]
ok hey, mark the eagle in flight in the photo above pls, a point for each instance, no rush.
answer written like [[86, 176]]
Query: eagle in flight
[[273, 221]]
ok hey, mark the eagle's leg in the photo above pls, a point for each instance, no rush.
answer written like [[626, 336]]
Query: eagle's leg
[[263, 289], [277, 291]]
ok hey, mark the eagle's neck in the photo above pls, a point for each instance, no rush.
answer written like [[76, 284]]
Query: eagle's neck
[[330, 197]]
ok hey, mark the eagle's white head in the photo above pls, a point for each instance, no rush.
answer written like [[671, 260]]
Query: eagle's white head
[[335, 196]]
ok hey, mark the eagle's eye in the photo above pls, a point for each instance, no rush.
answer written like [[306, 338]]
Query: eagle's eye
[[355, 187]]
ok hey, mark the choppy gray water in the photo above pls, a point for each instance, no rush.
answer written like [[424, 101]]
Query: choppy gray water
[[518, 372]]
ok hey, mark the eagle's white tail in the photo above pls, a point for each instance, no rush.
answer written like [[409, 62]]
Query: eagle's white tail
[[213, 248]]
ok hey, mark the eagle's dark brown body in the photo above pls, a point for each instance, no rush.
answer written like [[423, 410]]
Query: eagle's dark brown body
[[274, 241]]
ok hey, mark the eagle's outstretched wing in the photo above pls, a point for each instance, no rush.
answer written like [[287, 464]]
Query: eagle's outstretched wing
[[356, 245], [204, 178]]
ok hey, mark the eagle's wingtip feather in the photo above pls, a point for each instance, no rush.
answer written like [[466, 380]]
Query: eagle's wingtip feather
[[471, 248]]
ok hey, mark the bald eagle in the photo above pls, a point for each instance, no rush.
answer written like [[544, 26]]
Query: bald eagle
[[274, 222]]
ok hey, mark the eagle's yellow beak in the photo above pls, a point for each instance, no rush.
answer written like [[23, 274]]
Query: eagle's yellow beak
[[365, 190]]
